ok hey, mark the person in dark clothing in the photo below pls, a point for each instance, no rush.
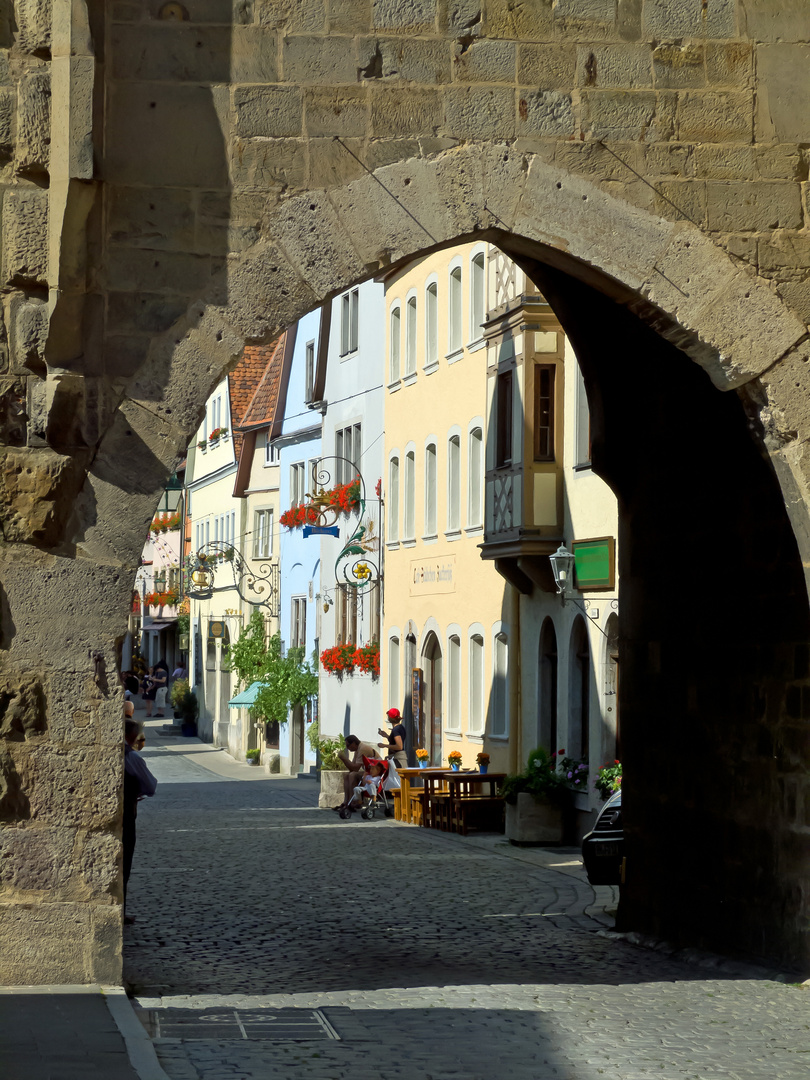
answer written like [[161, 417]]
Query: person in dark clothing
[[138, 783], [396, 739]]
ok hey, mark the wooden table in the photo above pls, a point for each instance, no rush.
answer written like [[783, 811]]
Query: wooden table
[[450, 812], [407, 775]]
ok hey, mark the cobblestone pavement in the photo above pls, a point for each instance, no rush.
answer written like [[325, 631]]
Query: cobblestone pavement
[[428, 956]]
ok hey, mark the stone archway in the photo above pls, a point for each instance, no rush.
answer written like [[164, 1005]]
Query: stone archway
[[74, 522]]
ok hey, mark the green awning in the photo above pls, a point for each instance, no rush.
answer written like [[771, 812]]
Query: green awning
[[247, 697]]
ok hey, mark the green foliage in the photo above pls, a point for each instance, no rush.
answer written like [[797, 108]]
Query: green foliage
[[252, 755], [184, 700], [609, 779], [327, 748], [575, 773], [183, 624], [287, 681], [540, 778]]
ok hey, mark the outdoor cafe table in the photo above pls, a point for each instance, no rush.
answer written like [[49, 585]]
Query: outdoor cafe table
[[406, 776], [459, 787]]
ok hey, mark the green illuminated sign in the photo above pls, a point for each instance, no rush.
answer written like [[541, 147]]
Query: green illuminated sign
[[595, 563]]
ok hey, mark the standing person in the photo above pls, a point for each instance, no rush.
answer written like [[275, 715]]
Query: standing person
[[396, 739], [138, 784], [160, 679], [354, 764], [148, 691], [131, 685]]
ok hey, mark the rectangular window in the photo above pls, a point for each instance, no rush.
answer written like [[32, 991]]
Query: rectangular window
[[432, 325], [500, 695], [430, 490], [475, 502], [454, 484], [271, 454], [408, 524], [394, 345], [393, 499], [410, 337], [345, 615], [544, 412], [503, 447], [298, 623], [310, 370], [583, 427], [454, 684], [298, 483], [455, 316], [477, 311], [262, 534], [349, 446], [393, 673], [476, 685], [349, 322], [374, 615]]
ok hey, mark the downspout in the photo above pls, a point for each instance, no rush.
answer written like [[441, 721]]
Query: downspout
[[515, 685]]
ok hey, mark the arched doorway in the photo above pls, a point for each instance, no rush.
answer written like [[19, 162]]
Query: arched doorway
[[432, 668], [547, 687], [579, 691]]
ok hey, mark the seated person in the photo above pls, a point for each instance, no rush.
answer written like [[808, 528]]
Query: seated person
[[371, 780], [358, 750]]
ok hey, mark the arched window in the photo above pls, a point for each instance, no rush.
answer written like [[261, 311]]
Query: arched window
[[579, 671], [410, 337], [454, 483], [394, 344], [408, 524], [500, 687], [430, 489], [454, 683], [393, 499], [393, 673], [455, 313], [475, 501], [432, 325], [476, 684], [547, 688], [477, 303]]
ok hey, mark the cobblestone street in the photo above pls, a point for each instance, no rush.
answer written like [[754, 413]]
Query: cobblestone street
[[294, 944]]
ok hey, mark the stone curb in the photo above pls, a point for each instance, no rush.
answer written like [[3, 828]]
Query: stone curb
[[140, 1049]]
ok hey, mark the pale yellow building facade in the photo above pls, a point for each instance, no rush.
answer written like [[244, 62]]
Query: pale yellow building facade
[[446, 625]]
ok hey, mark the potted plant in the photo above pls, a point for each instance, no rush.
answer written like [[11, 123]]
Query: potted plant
[[609, 779], [187, 706], [177, 696], [483, 762], [534, 801], [332, 768], [454, 757], [252, 756], [422, 757]]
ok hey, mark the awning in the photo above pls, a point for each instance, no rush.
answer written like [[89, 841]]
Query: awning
[[247, 697]]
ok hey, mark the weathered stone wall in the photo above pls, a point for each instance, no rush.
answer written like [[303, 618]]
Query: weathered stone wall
[[172, 186]]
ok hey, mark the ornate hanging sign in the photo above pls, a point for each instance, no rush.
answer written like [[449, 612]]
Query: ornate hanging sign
[[257, 585]]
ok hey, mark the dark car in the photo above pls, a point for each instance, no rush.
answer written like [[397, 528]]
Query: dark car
[[603, 847]]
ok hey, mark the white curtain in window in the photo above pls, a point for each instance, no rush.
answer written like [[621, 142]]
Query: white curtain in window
[[393, 499], [474, 479], [394, 344], [393, 673], [476, 685], [408, 525], [430, 490], [410, 337], [453, 483], [477, 314], [455, 333], [454, 683], [432, 325]]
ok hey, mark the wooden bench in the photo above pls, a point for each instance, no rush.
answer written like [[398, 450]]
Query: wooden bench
[[477, 811]]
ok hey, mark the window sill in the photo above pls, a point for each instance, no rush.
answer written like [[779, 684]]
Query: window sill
[[452, 534], [474, 530], [428, 369], [453, 734], [408, 543], [454, 356], [348, 355], [475, 737], [474, 346], [394, 386], [585, 467], [499, 738], [431, 538], [409, 380], [392, 545]]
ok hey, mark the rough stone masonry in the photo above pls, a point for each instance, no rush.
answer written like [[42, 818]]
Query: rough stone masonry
[[180, 178]]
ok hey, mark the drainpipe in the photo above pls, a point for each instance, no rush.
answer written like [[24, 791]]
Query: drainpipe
[[516, 684]]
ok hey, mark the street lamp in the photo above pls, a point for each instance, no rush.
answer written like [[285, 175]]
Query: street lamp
[[562, 566], [170, 499]]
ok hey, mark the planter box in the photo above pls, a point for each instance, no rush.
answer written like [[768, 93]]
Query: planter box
[[331, 787], [531, 822]]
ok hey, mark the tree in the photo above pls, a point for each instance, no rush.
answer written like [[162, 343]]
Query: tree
[[287, 681]]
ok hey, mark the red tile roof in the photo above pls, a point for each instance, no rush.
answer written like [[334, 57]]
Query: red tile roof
[[253, 387]]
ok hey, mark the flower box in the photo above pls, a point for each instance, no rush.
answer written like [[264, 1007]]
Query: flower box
[[533, 822], [344, 659]]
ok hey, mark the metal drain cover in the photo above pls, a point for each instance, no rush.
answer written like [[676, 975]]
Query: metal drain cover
[[274, 1025]]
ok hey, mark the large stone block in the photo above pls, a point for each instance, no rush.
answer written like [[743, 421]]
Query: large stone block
[[679, 66], [689, 19], [138, 271], [268, 166], [340, 111], [8, 101], [729, 64], [12, 410], [715, 117], [420, 61], [486, 62], [743, 206], [167, 135], [37, 488], [143, 312], [417, 112], [416, 16], [479, 112], [530, 20], [783, 93], [268, 111], [27, 322], [24, 231], [628, 115], [292, 16], [549, 67], [73, 786], [545, 112], [349, 16], [626, 67], [178, 52], [70, 943], [153, 217], [775, 20], [33, 25], [314, 239], [327, 60], [36, 860]]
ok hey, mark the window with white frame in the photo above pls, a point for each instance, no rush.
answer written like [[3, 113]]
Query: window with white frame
[[475, 461], [309, 365], [454, 683], [476, 709], [271, 453], [345, 615], [430, 489], [500, 686], [477, 301], [374, 615], [454, 483], [348, 445], [432, 325], [408, 522], [410, 337], [394, 344], [393, 499], [262, 533], [393, 673], [349, 322], [298, 622], [455, 311], [583, 424], [298, 483]]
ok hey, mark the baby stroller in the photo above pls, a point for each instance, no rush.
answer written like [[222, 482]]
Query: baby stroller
[[367, 804]]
